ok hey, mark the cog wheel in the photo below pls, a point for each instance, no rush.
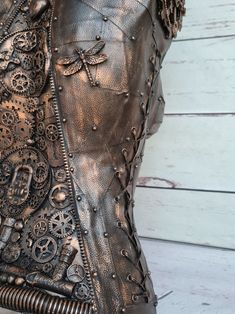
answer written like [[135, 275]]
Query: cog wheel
[[82, 291], [40, 128], [5, 172], [6, 137], [39, 228], [8, 118], [41, 143], [39, 61], [59, 196], [60, 175], [52, 132], [11, 253], [41, 172], [25, 41], [47, 268], [62, 224], [76, 273], [44, 249], [26, 62], [21, 83], [23, 130], [39, 80], [40, 114], [31, 105]]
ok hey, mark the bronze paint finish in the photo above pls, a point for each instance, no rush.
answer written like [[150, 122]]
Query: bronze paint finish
[[80, 92]]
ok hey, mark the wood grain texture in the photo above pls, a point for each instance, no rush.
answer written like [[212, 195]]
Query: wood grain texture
[[191, 152], [208, 18], [198, 76], [202, 279], [194, 217]]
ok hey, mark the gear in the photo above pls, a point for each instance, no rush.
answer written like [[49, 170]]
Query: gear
[[41, 171], [60, 175], [11, 253], [52, 133], [40, 128], [82, 291], [21, 83], [39, 228], [5, 172], [25, 41], [76, 273], [59, 196], [8, 118], [39, 80], [39, 60], [23, 130], [41, 143], [31, 105], [62, 224], [44, 249], [26, 62], [40, 114], [6, 137]]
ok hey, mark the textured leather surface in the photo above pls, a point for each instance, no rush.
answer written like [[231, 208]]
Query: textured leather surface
[[80, 94]]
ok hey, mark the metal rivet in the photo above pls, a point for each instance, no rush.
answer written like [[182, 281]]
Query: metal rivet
[[124, 253], [64, 120], [79, 198], [127, 95], [94, 209], [56, 49], [114, 276], [123, 310], [117, 198], [94, 274], [86, 232], [94, 128], [5, 33], [115, 168], [133, 38], [105, 18], [97, 83], [98, 37], [70, 155], [71, 169], [128, 139], [106, 234], [55, 18], [60, 88]]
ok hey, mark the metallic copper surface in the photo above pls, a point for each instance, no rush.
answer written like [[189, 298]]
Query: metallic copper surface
[[80, 92]]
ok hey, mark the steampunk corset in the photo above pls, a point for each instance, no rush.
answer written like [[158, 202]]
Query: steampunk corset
[[80, 92]]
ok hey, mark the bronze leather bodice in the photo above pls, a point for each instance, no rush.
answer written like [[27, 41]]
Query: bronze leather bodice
[[80, 92]]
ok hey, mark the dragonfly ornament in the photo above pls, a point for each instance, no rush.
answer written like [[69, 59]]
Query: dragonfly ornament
[[83, 59]]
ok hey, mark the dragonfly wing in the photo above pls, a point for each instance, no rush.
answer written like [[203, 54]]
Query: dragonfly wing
[[92, 51], [67, 60], [73, 68], [92, 60]]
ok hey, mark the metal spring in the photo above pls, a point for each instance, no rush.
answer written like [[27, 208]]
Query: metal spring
[[38, 302]]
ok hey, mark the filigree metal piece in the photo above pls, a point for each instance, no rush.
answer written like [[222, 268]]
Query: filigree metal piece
[[26, 41], [171, 13], [84, 58]]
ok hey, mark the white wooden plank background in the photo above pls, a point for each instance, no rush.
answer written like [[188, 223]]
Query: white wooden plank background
[[202, 279], [208, 18], [198, 76], [194, 150], [187, 216]]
